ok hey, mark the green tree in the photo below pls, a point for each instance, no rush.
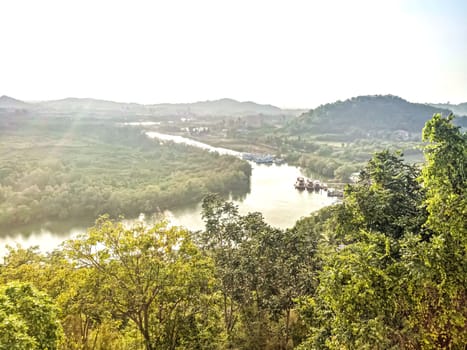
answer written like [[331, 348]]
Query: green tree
[[221, 240], [439, 273], [444, 175], [344, 171], [28, 319], [261, 271], [395, 269], [387, 198], [155, 277]]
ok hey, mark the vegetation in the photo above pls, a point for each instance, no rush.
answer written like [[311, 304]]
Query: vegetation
[[28, 319], [336, 139], [395, 271], [364, 117], [61, 169], [386, 269]]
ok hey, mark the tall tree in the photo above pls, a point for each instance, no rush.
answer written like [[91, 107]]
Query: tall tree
[[439, 273], [155, 277], [444, 175], [261, 270]]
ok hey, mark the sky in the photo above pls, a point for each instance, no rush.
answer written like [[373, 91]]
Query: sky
[[292, 54]]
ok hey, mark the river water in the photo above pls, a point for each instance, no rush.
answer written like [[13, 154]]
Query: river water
[[272, 193]]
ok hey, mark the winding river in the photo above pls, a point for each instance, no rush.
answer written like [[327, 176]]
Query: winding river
[[272, 193]]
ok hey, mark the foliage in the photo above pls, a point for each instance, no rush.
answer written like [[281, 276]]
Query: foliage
[[385, 269], [387, 198], [395, 271], [155, 277], [363, 115], [28, 319], [336, 139], [57, 169], [261, 271], [441, 279], [444, 175]]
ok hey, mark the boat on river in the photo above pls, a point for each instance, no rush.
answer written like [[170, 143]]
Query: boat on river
[[315, 185], [300, 183]]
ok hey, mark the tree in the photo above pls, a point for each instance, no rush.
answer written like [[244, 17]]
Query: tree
[[261, 270], [156, 278], [395, 274], [387, 198], [28, 318], [439, 273], [444, 175], [221, 240], [344, 171]]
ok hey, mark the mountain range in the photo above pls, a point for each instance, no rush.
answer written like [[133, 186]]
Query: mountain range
[[84, 106], [362, 116]]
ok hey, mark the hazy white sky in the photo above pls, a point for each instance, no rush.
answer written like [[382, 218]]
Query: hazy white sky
[[287, 53]]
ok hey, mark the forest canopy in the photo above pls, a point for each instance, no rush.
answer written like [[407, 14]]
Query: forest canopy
[[64, 168], [385, 269]]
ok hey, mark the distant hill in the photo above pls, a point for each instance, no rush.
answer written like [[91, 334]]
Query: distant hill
[[358, 115], [459, 109], [11, 103], [365, 116], [89, 106], [222, 107], [73, 104]]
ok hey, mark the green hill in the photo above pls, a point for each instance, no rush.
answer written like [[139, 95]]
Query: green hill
[[365, 117]]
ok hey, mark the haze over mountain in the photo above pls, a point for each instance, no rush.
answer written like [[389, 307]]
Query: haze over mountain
[[74, 104], [223, 107], [11, 103], [459, 109], [358, 116]]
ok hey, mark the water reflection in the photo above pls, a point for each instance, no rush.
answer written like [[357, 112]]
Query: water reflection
[[272, 194], [46, 239]]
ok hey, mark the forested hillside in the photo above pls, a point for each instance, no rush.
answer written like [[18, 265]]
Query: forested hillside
[[365, 117], [336, 139], [385, 269]]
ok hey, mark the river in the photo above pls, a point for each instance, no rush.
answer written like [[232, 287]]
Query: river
[[272, 193]]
